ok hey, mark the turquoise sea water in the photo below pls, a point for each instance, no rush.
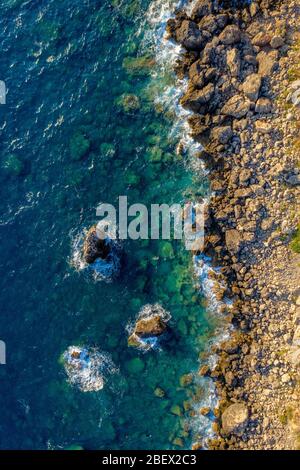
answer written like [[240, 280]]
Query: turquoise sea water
[[72, 136]]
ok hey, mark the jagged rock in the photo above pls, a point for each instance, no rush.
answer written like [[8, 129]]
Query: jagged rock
[[254, 8], [94, 247], [267, 62], [152, 326], [205, 371], [199, 124], [233, 241], [221, 20], [193, 99], [237, 106], [261, 39], [189, 35], [263, 126], [221, 134], [151, 323], [263, 106], [250, 59], [200, 76], [235, 419], [276, 42], [205, 410], [293, 180], [230, 35], [209, 24], [86, 367], [202, 8], [234, 62], [251, 86]]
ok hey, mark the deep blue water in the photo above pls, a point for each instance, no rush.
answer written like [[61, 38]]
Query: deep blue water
[[68, 67]]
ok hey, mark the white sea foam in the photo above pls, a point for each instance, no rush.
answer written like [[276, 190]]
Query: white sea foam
[[167, 52], [87, 368]]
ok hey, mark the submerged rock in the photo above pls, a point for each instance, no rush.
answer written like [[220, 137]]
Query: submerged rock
[[151, 323], [13, 166], [138, 66], [86, 368], [129, 103], [79, 146], [135, 365]]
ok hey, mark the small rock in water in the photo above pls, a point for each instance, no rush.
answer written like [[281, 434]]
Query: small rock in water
[[86, 367], [101, 255], [13, 166], [129, 103], [94, 247], [135, 365], [176, 410], [159, 392], [151, 323]]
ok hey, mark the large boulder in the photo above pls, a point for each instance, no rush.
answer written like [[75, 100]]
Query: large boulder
[[267, 62], [261, 39], [237, 107], [193, 99], [263, 106], [233, 241], [230, 35], [94, 246], [189, 35], [251, 86], [201, 75], [221, 134], [151, 326], [235, 419]]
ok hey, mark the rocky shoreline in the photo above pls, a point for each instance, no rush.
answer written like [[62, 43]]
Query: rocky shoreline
[[244, 92]]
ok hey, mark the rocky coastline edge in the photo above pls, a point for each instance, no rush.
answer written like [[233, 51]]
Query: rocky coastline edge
[[242, 64]]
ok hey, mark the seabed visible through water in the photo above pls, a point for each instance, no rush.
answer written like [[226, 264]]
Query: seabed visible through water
[[92, 113]]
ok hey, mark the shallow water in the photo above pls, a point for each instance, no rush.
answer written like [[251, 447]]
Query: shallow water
[[67, 67]]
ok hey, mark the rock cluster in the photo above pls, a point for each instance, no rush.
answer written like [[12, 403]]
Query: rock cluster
[[244, 112]]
